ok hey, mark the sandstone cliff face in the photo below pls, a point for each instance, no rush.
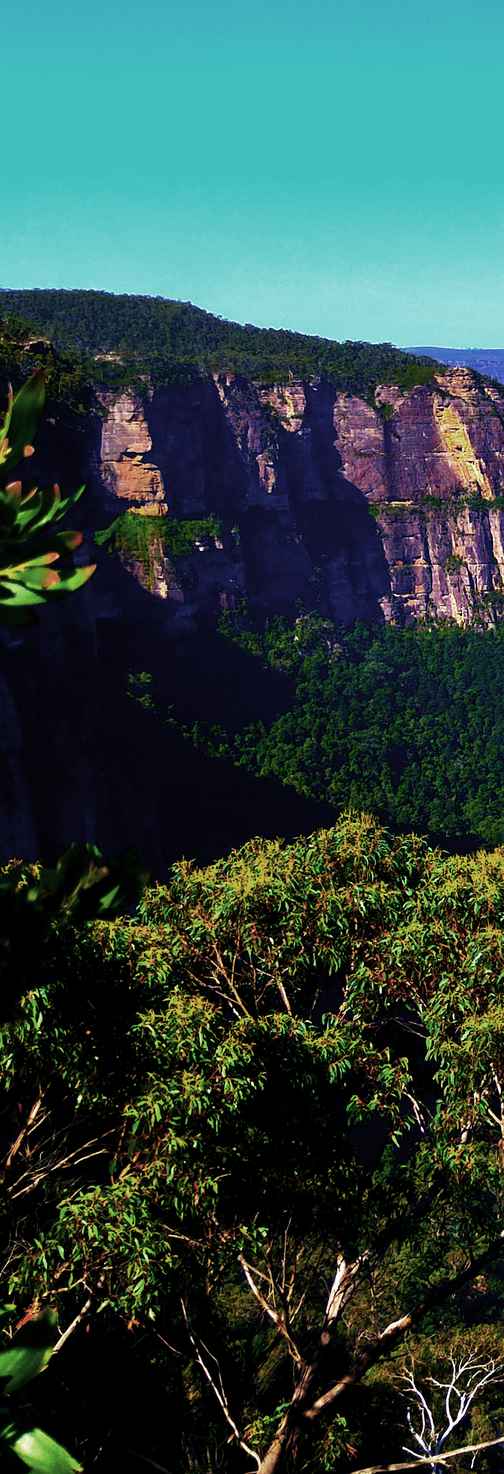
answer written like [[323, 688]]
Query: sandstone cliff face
[[389, 510]]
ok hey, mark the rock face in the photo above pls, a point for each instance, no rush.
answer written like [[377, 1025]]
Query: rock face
[[391, 510]]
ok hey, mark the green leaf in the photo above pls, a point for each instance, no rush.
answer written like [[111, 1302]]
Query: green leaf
[[21, 1363], [31, 1350], [69, 541], [109, 900], [68, 583], [39, 561], [41, 1453], [31, 577], [4, 427], [26, 411], [14, 594]]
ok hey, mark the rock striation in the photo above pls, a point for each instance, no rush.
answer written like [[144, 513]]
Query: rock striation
[[386, 510]]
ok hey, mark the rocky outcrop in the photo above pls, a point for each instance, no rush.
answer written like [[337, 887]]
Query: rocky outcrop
[[389, 509], [435, 486], [126, 467]]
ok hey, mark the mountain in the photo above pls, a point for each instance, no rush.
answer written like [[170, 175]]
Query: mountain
[[121, 337], [488, 361], [364, 498], [392, 510]]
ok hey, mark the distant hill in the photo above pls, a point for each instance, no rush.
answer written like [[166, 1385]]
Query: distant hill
[[126, 335], [488, 361]]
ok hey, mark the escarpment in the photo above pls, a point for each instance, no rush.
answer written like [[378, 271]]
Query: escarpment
[[391, 509], [202, 495]]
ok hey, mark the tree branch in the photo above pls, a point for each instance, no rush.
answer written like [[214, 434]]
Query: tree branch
[[217, 1387], [455, 1453], [278, 1320], [25, 1130], [383, 1343], [81, 1315]]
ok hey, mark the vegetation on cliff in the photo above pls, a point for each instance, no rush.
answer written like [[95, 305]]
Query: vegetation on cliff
[[252, 1143], [134, 533], [121, 337]]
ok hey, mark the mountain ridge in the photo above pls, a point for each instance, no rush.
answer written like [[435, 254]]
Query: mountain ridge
[[123, 334]]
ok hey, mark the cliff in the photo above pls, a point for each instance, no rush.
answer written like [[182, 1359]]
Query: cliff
[[388, 506], [384, 510]]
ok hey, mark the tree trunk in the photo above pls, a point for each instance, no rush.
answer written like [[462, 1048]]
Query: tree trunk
[[275, 1454], [285, 1444], [305, 1411]]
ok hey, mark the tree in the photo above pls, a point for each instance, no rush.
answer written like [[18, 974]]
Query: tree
[[268, 1133], [468, 1379]]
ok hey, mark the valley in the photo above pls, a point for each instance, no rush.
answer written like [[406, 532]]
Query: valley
[[251, 1033], [247, 498]]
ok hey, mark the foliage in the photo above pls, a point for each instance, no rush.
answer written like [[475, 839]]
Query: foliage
[[35, 899], [452, 505], [29, 547], [68, 374], [179, 340], [182, 536], [258, 1124], [135, 534], [81, 884], [27, 1355], [407, 723], [140, 689]]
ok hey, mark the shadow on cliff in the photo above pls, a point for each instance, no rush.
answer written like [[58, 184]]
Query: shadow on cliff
[[323, 546], [89, 762], [312, 536], [338, 530], [99, 767]]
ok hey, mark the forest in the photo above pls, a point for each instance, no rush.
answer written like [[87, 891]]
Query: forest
[[408, 723], [168, 339], [252, 1116], [253, 1153]]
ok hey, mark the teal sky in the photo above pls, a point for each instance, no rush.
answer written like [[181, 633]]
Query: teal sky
[[333, 167]]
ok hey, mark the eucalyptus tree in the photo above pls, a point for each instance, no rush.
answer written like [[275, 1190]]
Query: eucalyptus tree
[[437, 1409], [267, 1131]]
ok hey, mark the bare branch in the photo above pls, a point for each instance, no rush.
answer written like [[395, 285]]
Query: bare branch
[[468, 1378], [217, 1387], [21, 1137], [77, 1321], [409, 1378], [274, 1315], [382, 1344], [455, 1453]]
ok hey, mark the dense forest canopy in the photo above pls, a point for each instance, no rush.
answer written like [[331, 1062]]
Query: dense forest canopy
[[252, 1138], [168, 339], [405, 723]]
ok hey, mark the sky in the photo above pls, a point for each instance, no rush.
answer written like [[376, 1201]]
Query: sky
[[332, 167]]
